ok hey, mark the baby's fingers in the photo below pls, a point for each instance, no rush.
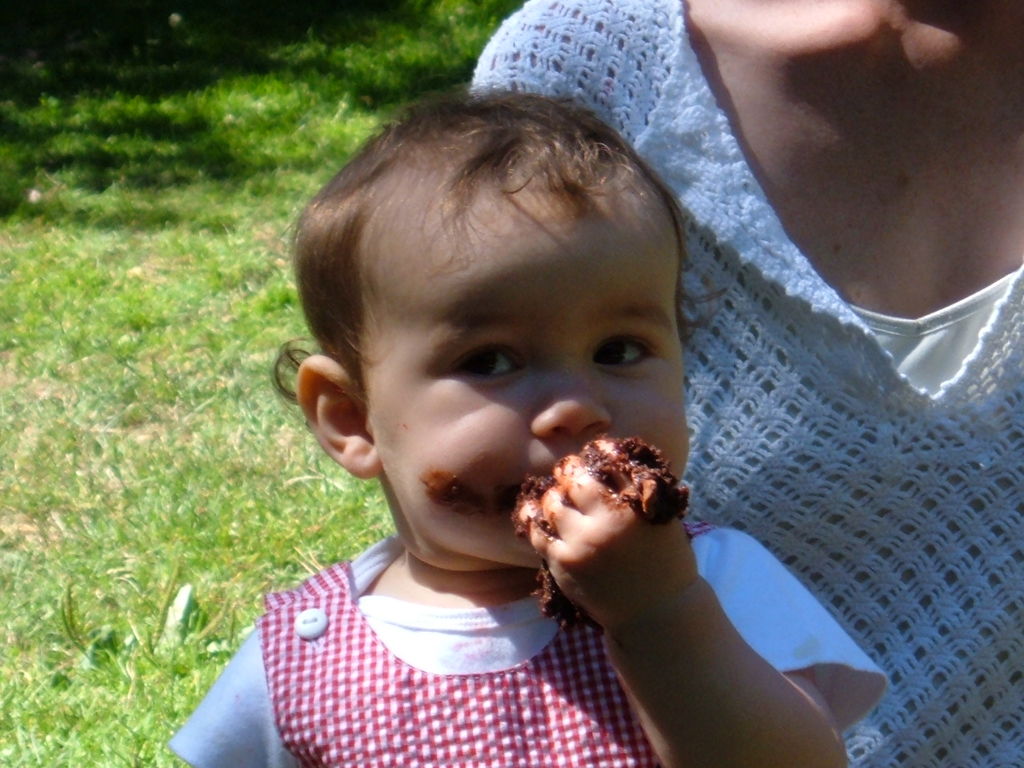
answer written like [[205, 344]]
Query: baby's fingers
[[537, 522], [585, 492], [554, 519]]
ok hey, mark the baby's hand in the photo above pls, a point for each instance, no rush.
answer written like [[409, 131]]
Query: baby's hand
[[591, 523]]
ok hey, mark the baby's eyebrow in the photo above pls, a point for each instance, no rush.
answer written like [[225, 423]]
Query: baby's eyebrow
[[470, 315], [652, 313]]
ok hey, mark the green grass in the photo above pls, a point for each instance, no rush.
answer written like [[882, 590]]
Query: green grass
[[149, 177]]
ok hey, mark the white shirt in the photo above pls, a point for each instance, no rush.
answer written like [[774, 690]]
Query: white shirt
[[931, 350]]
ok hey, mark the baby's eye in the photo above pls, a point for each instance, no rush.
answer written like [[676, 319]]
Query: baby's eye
[[620, 352], [488, 362]]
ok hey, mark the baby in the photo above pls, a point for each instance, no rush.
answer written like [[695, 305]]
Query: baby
[[492, 283]]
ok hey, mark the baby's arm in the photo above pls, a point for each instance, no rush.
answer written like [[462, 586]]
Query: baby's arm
[[234, 725], [704, 696]]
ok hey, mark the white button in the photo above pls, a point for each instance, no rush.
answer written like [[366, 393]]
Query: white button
[[311, 624]]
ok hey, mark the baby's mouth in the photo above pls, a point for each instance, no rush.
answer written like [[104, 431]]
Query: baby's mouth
[[446, 489]]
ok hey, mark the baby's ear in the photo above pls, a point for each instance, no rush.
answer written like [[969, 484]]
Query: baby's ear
[[336, 415]]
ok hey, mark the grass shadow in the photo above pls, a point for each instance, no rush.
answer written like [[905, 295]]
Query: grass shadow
[[67, 47], [117, 92]]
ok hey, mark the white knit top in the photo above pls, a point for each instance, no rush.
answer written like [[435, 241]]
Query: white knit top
[[902, 511]]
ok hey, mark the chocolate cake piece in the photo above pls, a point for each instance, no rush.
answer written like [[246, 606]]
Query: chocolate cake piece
[[635, 474]]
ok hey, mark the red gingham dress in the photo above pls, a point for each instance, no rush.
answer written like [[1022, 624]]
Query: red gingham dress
[[344, 700]]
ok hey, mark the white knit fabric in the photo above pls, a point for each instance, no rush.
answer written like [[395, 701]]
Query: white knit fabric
[[904, 512]]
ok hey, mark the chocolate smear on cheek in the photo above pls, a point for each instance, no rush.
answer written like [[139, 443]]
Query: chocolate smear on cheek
[[445, 489]]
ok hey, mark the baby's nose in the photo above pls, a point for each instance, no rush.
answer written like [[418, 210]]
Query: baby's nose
[[575, 412]]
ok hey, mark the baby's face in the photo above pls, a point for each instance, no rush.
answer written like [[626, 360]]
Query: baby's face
[[491, 355]]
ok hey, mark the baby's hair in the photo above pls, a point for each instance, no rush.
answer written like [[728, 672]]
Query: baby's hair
[[492, 141]]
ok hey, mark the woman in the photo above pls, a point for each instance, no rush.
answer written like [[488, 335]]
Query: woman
[[855, 173]]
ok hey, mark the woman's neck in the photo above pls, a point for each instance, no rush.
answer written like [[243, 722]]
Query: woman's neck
[[889, 136]]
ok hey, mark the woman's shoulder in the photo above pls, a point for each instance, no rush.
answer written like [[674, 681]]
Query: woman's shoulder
[[612, 56]]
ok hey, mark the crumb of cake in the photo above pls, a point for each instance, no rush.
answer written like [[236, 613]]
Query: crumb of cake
[[636, 475]]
